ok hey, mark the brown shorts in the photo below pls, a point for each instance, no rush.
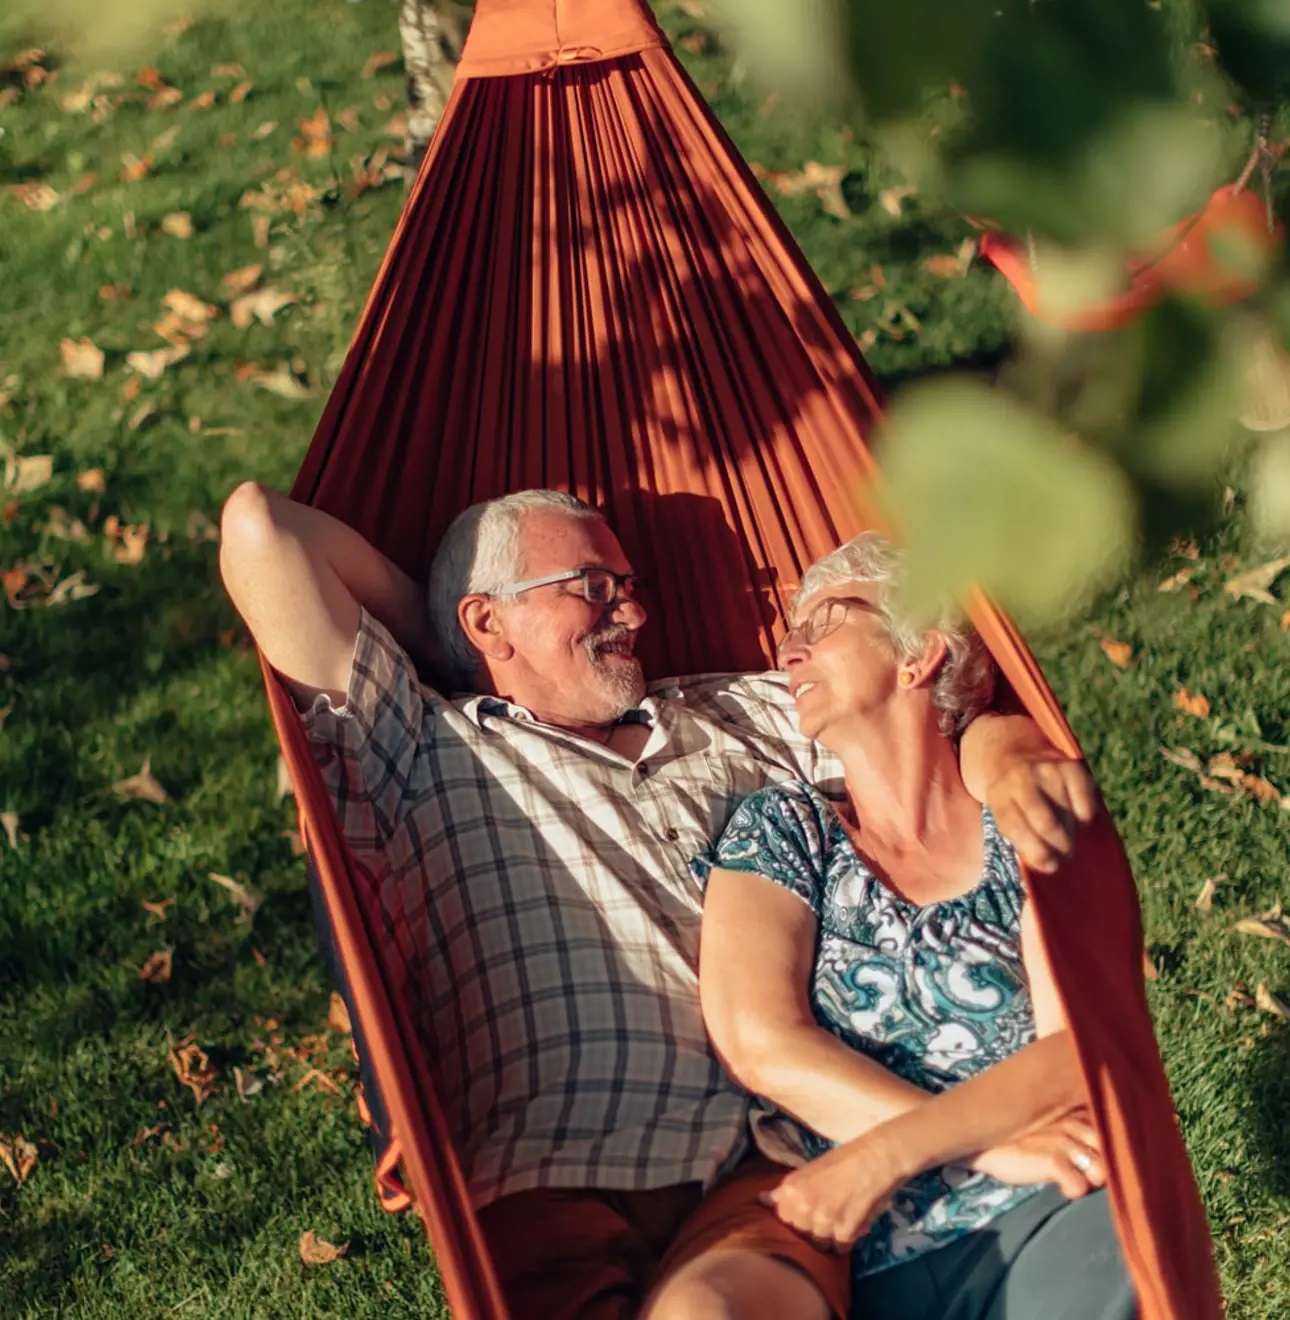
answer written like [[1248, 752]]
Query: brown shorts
[[595, 1255]]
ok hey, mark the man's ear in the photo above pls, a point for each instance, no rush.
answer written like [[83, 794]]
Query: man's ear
[[481, 620], [927, 663]]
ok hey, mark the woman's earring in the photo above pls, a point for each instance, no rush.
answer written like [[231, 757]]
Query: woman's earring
[[906, 678]]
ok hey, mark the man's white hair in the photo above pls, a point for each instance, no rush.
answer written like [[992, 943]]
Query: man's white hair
[[481, 552], [965, 682]]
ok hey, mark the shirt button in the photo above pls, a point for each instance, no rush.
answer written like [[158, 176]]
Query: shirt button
[[671, 835], [643, 769]]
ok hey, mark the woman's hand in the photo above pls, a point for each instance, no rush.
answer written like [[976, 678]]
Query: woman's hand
[[1066, 1152], [834, 1199]]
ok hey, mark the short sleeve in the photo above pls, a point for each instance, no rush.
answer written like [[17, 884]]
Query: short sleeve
[[367, 748], [781, 833]]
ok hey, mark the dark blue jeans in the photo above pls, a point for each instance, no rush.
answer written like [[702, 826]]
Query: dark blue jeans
[[1047, 1259]]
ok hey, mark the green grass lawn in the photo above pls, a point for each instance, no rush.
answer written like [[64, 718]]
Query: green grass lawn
[[142, 1202]]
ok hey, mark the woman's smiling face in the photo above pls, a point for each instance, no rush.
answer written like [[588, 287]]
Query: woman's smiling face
[[839, 658]]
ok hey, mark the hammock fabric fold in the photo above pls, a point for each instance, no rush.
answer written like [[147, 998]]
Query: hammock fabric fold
[[588, 290]]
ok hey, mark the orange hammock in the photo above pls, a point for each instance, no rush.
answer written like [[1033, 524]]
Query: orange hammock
[[588, 290], [1187, 258]]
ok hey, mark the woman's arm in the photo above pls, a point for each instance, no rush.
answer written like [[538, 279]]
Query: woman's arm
[[756, 958], [1025, 1115], [298, 577]]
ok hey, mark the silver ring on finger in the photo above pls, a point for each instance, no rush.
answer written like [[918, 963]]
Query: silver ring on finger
[[1082, 1160]]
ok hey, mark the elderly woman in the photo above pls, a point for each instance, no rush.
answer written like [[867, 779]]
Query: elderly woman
[[881, 947]]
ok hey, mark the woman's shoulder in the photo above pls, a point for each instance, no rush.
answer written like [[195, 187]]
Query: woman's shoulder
[[792, 800]]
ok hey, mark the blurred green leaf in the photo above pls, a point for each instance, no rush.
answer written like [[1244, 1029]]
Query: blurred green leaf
[[988, 491]]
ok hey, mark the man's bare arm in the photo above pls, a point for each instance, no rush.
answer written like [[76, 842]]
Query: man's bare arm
[[298, 577]]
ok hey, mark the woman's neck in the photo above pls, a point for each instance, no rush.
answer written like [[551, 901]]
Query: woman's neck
[[903, 783]]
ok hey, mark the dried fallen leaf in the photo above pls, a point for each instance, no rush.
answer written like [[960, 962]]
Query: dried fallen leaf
[[154, 362], [82, 359], [203, 101], [1205, 899], [91, 481], [157, 968], [9, 822], [825, 181], [1149, 970], [348, 119], [279, 381], [261, 305], [1191, 703], [1120, 654], [1271, 1003], [1177, 581], [132, 544], [265, 129], [61, 525], [247, 900], [35, 196], [1270, 926], [193, 1068], [1285, 621], [240, 92], [134, 168], [142, 787], [74, 587], [189, 306], [19, 1156], [178, 224], [1238, 997], [944, 264], [375, 63], [157, 909], [112, 292], [315, 135], [1255, 583], [1185, 757], [247, 1083], [892, 200], [164, 98], [338, 1015], [316, 1251], [25, 473], [242, 280]]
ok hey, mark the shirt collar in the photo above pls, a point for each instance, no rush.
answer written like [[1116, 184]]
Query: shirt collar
[[477, 708]]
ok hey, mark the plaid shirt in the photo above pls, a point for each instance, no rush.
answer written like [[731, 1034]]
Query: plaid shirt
[[537, 892]]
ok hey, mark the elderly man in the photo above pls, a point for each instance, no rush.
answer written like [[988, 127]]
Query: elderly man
[[531, 842]]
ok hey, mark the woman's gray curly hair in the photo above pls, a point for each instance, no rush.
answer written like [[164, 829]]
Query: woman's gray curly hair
[[965, 683]]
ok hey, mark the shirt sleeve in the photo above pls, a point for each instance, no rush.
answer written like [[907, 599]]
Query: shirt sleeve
[[367, 749], [781, 833]]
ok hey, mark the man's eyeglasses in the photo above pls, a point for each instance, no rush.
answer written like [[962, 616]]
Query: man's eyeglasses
[[599, 585], [826, 617]]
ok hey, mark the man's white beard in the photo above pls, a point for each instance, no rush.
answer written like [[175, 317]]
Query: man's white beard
[[622, 685]]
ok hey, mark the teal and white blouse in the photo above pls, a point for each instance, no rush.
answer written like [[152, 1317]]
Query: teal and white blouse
[[936, 994]]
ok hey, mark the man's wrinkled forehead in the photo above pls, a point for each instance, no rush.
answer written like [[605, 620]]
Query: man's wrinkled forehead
[[551, 542]]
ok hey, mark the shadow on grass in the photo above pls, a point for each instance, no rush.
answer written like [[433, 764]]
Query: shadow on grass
[[1267, 1082]]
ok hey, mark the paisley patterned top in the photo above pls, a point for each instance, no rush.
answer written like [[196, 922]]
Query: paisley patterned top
[[936, 994]]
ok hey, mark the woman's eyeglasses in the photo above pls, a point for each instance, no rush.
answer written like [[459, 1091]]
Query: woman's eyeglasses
[[826, 617]]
